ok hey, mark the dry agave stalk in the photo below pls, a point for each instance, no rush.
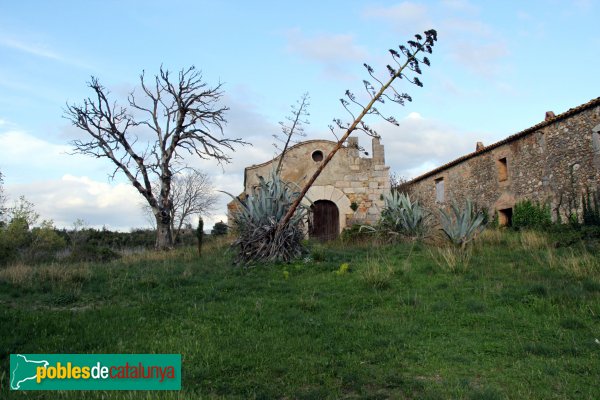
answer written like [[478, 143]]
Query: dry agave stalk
[[406, 60]]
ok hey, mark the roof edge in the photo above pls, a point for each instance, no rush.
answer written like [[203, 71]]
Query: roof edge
[[289, 148], [518, 135]]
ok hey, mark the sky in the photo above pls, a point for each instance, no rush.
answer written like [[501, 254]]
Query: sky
[[496, 69]]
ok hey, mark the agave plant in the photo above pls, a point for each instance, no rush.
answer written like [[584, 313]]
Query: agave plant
[[462, 225], [260, 238], [403, 216]]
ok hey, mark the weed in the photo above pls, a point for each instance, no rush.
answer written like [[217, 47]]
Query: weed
[[377, 273], [53, 275], [581, 264], [343, 269], [452, 259], [532, 240], [309, 303], [492, 237], [318, 253]]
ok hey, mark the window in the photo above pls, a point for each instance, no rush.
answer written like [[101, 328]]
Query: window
[[596, 139], [439, 190], [317, 156], [502, 169]]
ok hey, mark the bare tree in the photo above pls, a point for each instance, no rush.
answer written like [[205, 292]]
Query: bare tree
[[296, 119], [400, 184], [407, 59], [192, 193], [182, 115], [2, 198]]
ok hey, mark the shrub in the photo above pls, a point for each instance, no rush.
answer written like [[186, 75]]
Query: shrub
[[45, 244], [402, 216], [90, 253], [13, 239], [531, 215], [591, 208], [462, 225], [220, 228], [356, 233]]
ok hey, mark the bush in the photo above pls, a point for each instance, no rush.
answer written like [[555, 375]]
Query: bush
[[14, 238], [528, 215], [90, 253], [257, 219], [356, 233], [462, 225], [402, 216], [220, 228], [591, 208]]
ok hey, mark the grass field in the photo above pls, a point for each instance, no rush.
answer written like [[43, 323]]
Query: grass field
[[518, 320]]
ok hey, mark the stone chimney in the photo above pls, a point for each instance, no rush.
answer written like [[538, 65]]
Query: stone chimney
[[479, 146], [378, 152], [549, 115]]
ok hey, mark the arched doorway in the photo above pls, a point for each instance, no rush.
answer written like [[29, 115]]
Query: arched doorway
[[325, 220]]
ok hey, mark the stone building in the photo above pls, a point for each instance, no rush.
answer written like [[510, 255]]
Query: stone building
[[552, 162], [349, 190]]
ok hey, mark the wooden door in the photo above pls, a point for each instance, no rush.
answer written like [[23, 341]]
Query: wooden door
[[325, 220]]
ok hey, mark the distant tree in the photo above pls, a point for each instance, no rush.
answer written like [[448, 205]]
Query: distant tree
[[293, 127], [172, 118], [200, 235], [16, 235], [24, 210], [399, 184], [220, 228], [192, 193], [2, 198]]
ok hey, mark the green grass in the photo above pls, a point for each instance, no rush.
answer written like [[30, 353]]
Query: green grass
[[518, 320]]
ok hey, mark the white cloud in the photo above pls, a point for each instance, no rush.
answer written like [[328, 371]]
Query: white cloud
[[405, 17], [25, 157], [71, 197], [467, 38], [487, 59], [420, 144], [328, 50], [39, 50], [459, 5], [32, 49]]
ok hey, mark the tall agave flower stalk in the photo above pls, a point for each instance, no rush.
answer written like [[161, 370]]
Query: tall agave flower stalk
[[256, 221]]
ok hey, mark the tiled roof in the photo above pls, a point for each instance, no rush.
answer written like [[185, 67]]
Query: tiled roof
[[570, 112]]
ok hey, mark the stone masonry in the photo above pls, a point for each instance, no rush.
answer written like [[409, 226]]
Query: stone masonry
[[349, 180], [553, 163]]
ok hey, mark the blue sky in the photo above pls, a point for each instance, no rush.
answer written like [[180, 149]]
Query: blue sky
[[498, 67]]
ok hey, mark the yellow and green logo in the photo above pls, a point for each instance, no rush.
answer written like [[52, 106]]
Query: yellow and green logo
[[95, 371]]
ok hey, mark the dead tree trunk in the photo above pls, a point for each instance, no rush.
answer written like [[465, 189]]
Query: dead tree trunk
[[164, 237]]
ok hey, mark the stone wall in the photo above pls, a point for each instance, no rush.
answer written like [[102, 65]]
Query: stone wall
[[349, 180], [550, 163]]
